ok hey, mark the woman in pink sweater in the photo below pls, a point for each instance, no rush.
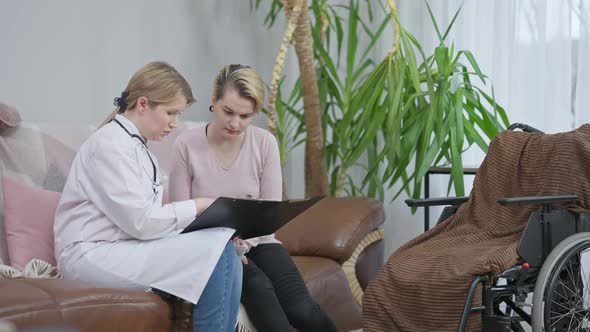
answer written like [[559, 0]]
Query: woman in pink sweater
[[229, 157]]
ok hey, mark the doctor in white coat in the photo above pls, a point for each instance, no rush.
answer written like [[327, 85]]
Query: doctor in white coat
[[111, 228]]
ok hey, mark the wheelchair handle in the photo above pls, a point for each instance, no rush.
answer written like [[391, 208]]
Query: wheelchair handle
[[525, 128], [424, 202], [527, 200]]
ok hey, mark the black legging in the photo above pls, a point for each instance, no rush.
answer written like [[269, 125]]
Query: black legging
[[275, 296]]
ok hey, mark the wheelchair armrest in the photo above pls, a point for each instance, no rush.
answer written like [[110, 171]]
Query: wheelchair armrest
[[454, 201], [527, 200]]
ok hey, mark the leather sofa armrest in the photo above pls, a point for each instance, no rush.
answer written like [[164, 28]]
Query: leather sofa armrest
[[332, 228]]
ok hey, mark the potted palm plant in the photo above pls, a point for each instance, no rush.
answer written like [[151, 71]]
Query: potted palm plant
[[410, 108]]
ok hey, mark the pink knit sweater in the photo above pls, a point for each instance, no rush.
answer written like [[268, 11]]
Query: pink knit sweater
[[256, 172]]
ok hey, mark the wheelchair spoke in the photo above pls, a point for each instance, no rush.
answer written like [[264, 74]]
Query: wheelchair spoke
[[568, 266], [575, 318], [561, 305], [581, 322], [571, 273], [587, 283], [564, 304], [568, 303], [561, 314], [566, 289], [557, 319], [578, 325], [571, 284], [558, 315], [577, 277], [569, 328], [580, 302], [585, 320]]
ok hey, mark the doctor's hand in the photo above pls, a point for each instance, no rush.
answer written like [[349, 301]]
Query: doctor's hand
[[202, 204]]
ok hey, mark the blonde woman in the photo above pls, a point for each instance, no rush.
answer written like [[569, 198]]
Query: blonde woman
[[111, 228], [229, 157]]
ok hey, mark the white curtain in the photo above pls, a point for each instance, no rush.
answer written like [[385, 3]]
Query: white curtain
[[535, 52]]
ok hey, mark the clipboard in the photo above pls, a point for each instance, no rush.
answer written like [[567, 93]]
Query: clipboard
[[250, 218]]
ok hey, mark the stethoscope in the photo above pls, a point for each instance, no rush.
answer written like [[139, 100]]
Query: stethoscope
[[154, 182]]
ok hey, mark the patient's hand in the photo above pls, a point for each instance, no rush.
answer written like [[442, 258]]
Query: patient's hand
[[241, 248]]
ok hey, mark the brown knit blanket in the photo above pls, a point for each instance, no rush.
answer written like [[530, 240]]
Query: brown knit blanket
[[423, 285]]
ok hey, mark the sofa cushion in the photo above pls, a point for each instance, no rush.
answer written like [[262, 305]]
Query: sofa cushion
[[31, 303], [28, 219]]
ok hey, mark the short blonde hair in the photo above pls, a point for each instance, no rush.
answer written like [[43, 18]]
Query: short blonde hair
[[244, 79], [159, 82]]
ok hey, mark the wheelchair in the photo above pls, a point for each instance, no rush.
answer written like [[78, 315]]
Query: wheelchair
[[550, 269]]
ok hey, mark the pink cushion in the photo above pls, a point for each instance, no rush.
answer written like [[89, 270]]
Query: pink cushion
[[28, 220]]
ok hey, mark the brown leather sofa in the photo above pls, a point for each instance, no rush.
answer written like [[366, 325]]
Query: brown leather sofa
[[337, 245]]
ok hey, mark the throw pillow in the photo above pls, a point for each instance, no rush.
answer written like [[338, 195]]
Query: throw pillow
[[28, 221]]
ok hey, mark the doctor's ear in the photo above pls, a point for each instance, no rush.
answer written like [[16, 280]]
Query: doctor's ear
[[142, 103]]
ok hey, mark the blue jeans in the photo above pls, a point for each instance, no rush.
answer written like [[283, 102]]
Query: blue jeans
[[217, 309]]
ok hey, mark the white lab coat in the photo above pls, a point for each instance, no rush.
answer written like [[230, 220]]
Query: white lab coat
[[111, 228]]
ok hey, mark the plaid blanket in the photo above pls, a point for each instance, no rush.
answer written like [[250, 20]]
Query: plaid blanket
[[423, 285]]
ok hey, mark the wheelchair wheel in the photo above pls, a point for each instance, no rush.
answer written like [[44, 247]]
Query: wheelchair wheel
[[562, 288]]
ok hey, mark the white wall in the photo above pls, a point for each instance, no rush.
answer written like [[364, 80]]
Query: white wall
[[65, 60]]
